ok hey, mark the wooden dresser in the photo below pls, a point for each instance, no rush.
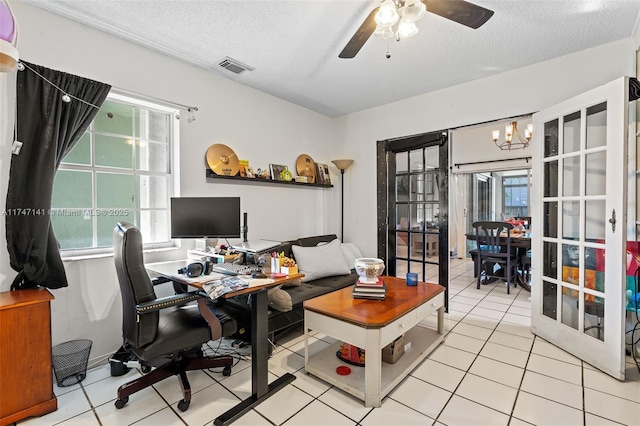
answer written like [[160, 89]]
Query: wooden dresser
[[26, 380]]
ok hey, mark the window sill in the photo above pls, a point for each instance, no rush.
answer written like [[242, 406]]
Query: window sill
[[89, 256]]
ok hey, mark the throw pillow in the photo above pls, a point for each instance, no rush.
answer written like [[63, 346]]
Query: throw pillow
[[279, 299], [321, 261], [351, 253]]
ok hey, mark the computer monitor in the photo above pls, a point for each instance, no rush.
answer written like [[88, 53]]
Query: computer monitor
[[205, 217]]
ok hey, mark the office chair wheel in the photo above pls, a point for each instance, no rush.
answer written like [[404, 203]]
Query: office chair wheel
[[183, 405], [145, 369], [122, 402], [226, 371]]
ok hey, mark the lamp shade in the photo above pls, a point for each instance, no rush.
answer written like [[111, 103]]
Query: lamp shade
[[342, 165], [8, 38]]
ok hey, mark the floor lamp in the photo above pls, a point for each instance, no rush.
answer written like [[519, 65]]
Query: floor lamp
[[342, 165]]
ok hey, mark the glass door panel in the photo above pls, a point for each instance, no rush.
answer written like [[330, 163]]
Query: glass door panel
[[582, 160]]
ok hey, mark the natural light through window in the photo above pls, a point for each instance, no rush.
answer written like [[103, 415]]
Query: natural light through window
[[120, 170]]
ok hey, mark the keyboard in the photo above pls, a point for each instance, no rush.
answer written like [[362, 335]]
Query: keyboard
[[234, 268]]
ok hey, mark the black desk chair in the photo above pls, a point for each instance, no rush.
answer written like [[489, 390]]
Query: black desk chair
[[165, 333], [493, 241]]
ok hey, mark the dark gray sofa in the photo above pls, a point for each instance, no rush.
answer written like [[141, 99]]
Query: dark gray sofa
[[238, 307]]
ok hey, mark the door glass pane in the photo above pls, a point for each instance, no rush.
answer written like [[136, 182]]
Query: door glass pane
[[551, 219], [571, 220], [594, 316], [114, 151], [551, 138], [571, 136], [597, 125], [571, 264], [596, 173], [571, 176], [416, 161], [569, 307], [595, 222], [549, 299], [114, 117], [594, 268], [115, 190], [401, 162], [81, 152], [551, 179], [549, 259]]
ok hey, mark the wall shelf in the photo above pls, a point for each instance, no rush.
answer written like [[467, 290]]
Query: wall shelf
[[260, 181]]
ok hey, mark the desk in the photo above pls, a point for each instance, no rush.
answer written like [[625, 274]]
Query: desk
[[261, 389]]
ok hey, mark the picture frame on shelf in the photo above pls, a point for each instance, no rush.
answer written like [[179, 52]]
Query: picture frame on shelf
[[276, 171], [322, 174]]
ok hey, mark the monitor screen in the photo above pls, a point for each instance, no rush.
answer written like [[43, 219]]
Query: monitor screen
[[205, 217]]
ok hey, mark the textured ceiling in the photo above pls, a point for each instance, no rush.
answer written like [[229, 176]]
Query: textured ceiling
[[294, 45]]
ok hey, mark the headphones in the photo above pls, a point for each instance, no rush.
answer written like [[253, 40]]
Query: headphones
[[196, 269]]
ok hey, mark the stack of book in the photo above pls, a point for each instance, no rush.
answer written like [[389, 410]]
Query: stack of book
[[376, 290]]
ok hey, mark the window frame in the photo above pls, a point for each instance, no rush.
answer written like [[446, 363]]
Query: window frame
[[173, 174]]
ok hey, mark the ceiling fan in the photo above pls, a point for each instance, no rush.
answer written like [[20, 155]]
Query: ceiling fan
[[460, 11]]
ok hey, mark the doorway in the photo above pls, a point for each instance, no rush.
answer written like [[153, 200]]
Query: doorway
[[413, 206]]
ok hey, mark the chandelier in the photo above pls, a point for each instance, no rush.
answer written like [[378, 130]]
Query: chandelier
[[509, 143], [404, 13]]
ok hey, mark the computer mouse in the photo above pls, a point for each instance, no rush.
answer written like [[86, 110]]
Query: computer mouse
[[257, 274]]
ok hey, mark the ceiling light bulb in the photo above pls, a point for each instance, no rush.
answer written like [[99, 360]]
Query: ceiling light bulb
[[383, 32], [508, 132], [528, 132], [387, 15], [407, 29], [496, 135], [413, 11]]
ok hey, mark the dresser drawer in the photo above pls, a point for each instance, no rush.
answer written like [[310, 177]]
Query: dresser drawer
[[410, 319]]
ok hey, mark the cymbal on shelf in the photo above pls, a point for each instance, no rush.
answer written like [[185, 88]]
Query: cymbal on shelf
[[222, 160], [305, 166]]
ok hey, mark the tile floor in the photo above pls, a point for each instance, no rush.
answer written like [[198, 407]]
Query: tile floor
[[489, 371]]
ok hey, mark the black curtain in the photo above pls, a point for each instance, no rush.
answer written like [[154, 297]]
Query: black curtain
[[48, 128]]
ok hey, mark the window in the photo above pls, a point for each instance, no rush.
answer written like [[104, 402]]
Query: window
[[120, 170], [516, 195]]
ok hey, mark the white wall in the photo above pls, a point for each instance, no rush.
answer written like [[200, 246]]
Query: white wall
[[259, 127], [264, 129], [538, 86]]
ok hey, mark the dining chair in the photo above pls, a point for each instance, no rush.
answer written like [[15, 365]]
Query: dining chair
[[497, 260]]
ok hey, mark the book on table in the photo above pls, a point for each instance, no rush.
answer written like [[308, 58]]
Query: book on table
[[369, 292], [379, 282]]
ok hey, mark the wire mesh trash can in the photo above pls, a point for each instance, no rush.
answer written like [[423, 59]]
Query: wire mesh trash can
[[70, 361]]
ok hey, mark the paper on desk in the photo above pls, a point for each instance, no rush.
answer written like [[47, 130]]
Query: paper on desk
[[218, 287], [255, 282]]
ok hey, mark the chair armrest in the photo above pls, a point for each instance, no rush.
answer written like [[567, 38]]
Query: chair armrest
[[169, 301]]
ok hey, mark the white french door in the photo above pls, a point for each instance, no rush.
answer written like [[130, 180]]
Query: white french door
[[579, 225]]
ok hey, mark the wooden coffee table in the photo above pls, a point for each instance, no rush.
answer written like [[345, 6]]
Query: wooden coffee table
[[371, 325]]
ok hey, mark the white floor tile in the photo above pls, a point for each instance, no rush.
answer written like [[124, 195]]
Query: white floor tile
[[488, 393], [553, 389], [517, 319], [171, 390], [541, 411], [505, 354], [463, 342], [163, 417], [489, 313], [511, 340], [471, 330], [592, 420], [319, 414], [517, 329], [611, 407], [457, 358], [501, 307], [284, 404], [309, 383], [544, 348], [462, 412], [438, 374], [106, 390], [421, 396], [464, 300], [394, 413], [518, 310], [497, 371], [480, 321], [70, 404], [602, 382], [141, 404], [554, 368], [345, 403]]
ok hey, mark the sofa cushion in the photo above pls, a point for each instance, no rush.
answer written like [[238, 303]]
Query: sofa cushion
[[321, 261], [351, 253]]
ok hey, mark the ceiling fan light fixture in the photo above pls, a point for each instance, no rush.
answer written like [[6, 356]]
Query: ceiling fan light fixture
[[387, 15], [383, 32], [406, 30], [413, 11]]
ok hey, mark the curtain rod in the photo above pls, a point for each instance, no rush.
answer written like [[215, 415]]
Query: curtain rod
[[492, 161], [125, 92]]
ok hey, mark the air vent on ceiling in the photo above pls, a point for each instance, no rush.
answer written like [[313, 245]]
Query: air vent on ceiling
[[234, 66]]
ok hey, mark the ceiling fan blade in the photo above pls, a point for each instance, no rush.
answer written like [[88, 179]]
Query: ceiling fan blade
[[360, 37], [460, 11]]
